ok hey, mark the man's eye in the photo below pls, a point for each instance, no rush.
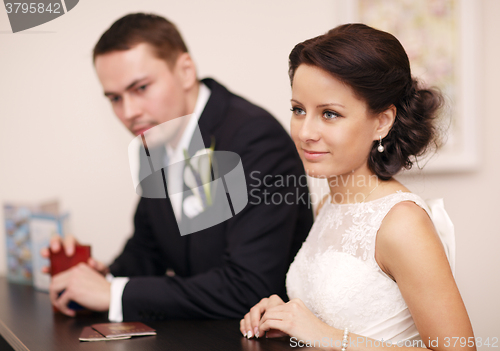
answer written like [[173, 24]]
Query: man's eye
[[297, 111], [142, 88], [330, 115], [114, 99]]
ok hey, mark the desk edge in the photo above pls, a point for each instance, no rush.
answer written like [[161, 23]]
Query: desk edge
[[11, 338]]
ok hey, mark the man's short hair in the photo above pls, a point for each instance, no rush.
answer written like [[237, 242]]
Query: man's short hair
[[138, 28]]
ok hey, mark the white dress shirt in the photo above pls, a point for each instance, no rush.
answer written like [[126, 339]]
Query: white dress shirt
[[175, 187]]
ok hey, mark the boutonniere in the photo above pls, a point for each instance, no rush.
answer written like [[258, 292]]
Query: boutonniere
[[198, 177]]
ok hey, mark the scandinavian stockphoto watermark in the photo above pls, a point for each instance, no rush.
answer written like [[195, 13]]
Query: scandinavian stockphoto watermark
[[354, 342], [266, 189], [28, 14], [205, 187], [367, 342]]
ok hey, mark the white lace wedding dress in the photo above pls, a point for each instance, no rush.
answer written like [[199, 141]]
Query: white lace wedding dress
[[335, 273]]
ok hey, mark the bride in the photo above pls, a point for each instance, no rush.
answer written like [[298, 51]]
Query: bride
[[373, 267]]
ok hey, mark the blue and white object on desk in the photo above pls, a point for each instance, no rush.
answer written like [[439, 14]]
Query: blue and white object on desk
[[19, 262]]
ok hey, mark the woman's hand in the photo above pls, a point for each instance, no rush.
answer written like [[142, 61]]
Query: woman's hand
[[295, 319], [249, 325]]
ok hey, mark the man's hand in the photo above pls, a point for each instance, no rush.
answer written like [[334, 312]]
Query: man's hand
[[68, 244], [83, 285]]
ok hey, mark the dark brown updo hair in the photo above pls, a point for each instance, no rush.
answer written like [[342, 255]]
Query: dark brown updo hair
[[375, 65]]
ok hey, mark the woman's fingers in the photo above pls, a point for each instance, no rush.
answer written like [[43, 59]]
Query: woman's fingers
[[249, 325], [243, 329], [275, 300], [273, 325], [255, 315], [280, 313]]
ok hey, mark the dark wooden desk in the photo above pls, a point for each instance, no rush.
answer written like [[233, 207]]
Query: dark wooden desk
[[28, 323]]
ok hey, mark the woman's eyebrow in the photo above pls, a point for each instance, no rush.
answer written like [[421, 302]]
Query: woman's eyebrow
[[322, 105], [330, 104]]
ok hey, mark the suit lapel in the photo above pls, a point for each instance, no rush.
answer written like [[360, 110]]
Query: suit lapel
[[212, 116]]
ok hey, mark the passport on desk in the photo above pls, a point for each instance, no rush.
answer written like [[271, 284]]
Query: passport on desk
[[113, 330], [59, 262], [89, 334]]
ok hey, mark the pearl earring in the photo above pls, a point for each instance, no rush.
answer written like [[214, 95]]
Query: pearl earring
[[380, 147]]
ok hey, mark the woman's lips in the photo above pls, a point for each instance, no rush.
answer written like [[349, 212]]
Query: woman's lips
[[313, 155]]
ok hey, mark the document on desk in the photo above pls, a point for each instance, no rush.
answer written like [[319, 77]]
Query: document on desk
[[111, 330], [89, 334]]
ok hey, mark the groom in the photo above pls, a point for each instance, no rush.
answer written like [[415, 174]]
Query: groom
[[218, 272]]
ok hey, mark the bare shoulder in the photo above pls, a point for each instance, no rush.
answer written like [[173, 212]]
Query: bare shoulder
[[406, 236], [406, 222], [404, 218]]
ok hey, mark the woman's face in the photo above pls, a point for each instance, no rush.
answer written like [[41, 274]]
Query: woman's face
[[330, 126]]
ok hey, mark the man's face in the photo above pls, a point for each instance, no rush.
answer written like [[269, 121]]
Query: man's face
[[143, 90]]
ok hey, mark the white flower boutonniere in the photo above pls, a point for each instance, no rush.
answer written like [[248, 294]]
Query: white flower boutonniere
[[198, 177]]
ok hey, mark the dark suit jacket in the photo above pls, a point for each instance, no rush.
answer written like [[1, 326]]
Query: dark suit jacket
[[222, 271]]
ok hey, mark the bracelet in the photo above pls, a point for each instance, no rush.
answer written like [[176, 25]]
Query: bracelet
[[344, 340]]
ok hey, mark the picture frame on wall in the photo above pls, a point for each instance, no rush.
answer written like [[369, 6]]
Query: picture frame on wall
[[441, 40]]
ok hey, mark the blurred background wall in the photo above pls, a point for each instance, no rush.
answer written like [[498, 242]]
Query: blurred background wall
[[60, 139]]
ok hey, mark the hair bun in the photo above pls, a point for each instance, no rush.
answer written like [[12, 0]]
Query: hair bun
[[414, 131]]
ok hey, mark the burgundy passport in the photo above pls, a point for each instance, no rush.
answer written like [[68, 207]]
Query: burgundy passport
[[89, 334], [113, 330], [59, 262]]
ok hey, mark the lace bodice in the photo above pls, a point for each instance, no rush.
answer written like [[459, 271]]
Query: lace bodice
[[335, 273]]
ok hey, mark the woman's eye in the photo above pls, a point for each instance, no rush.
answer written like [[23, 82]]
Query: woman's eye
[[297, 111], [142, 88], [330, 115]]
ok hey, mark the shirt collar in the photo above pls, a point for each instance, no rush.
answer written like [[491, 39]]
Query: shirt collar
[[176, 154]]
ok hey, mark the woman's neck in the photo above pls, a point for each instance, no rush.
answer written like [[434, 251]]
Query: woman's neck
[[353, 187]]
